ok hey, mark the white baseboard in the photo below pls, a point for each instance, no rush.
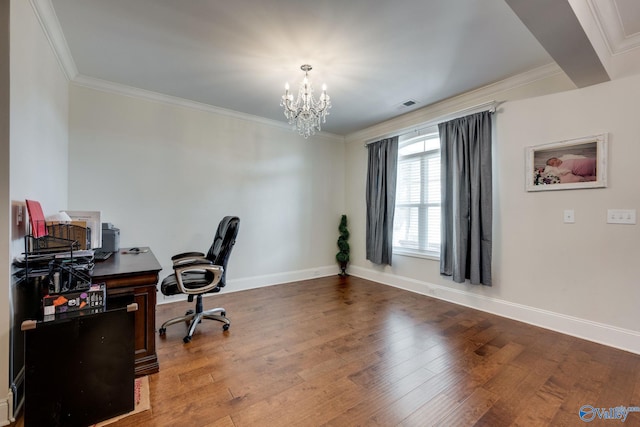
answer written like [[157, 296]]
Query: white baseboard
[[608, 335], [255, 282], [279, 278], [5, 412]]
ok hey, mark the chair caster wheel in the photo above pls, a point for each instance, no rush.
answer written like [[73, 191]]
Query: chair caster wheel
[[225, 327], [162, 331], [189, 312], [186, 339], [223, 313]]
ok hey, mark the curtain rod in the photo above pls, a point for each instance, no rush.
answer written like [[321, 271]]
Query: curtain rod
[[460, 113]]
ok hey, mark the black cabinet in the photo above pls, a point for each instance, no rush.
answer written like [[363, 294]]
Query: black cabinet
[[26, 303], [79, 370]]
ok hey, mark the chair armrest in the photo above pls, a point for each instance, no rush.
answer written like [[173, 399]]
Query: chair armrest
[[217, 271], [189, 258], [187, 255], [184, 262]]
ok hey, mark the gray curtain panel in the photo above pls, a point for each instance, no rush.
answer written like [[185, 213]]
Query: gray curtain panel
[[465, 152], [381, 199]]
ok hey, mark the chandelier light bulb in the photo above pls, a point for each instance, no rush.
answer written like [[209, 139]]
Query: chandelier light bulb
[[306, 113]]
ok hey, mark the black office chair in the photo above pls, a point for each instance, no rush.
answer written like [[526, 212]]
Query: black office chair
[[196, 274]]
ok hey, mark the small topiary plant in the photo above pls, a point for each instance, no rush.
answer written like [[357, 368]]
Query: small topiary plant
[[343, 255]]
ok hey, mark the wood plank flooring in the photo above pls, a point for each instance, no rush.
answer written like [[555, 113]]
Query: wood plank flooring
[[350, 352]]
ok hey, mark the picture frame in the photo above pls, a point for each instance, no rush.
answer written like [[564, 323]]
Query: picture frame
[[567, 165]]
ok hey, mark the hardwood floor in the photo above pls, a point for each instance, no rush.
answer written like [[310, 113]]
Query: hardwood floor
[[347, 352]]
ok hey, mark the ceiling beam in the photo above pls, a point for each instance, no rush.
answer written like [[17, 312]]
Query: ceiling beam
[[554, 24]]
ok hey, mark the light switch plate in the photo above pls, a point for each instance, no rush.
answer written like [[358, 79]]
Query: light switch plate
[[569, 216], [621, 216]]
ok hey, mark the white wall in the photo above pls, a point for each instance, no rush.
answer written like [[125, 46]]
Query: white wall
[[577, 278], [5, 205], [38, 137], [165, 175], [584, 269], [39, 114]]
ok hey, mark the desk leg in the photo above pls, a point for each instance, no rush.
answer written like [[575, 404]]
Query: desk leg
[[146, 359]]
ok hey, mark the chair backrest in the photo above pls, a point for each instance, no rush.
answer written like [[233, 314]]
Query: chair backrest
[[223, 243]]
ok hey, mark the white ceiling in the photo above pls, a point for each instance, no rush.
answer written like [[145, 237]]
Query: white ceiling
[[372, 54]]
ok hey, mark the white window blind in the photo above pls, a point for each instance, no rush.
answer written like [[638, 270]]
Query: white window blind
[[416, 225]]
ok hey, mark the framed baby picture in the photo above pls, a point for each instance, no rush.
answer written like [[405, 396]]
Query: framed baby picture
[[566, 165]]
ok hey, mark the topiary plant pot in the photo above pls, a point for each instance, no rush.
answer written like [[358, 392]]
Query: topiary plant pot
[[343, 269], [343, 256]]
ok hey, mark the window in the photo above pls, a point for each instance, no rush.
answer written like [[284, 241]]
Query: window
[[416, 226]]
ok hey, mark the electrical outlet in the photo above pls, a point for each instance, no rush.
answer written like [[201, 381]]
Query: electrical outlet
[[621, 216]]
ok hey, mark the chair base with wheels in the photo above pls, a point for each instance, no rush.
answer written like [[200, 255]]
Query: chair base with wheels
[[192, 318]]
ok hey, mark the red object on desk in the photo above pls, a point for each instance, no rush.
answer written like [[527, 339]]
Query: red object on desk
[[36, 219]]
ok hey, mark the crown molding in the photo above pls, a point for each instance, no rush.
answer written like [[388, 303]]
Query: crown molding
[[133, 92], [50, 24], [607, 16], [448, 106]]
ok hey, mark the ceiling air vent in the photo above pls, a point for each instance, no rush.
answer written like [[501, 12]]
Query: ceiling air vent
[[407, 104]]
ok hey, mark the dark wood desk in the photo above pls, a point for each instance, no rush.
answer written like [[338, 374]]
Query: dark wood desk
[[137, 275]]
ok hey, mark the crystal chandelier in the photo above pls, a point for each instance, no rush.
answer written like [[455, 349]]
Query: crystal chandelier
[[306, 113]]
